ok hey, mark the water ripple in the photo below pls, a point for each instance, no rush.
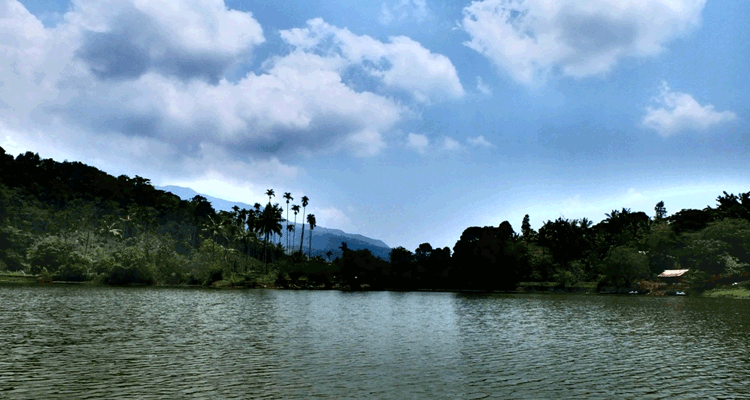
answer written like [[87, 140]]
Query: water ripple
[[89, 343]]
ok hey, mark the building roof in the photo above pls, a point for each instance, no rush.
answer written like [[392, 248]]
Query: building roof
[[673, 273]]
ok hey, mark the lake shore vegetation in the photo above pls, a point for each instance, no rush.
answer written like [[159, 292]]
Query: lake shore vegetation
[[67, 221]]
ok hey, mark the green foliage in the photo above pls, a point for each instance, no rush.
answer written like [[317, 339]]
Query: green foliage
[[103, 265], [526, 231], [623, 265], [707, 255], [489, 258], [14, 243], [570, 276], [660, 210], [697, 278], [51, 252], [734, 234], [72, 272], [315, 271], [213, 273], [131, 267], [567, 240], [689, 220], [660, 244]]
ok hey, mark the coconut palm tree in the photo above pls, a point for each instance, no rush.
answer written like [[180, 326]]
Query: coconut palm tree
[[214, 229], [295, 208], [311, 221], [112, 230], [244, 237], [270, 193], [305, 202], [270, 223], [290, 229], [288, 197]]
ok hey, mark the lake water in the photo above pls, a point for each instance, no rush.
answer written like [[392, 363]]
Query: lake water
[[98, 342]]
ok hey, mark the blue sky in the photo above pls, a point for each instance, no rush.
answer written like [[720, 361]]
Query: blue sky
[[405, 120]]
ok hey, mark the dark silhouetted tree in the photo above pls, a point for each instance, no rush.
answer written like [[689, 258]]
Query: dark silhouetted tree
[[305, 202], [288, 197], [311, 221], [661, 211]]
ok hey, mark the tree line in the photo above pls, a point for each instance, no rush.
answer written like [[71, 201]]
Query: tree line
[[74, 222]]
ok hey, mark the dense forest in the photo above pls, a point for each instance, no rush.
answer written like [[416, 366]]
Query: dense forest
[[72, 222]]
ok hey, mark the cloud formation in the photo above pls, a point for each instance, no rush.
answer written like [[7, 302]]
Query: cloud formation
[[482, 87], [451, 144], [416, 10], [150, 77], [676, 112], [532, 39], [400, 65], [332, 216], [418, 142], [479, 141], [187, 39]]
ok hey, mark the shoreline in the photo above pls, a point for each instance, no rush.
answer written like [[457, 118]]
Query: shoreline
[[721, 292]]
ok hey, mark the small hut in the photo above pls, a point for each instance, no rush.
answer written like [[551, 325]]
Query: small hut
[[672, 276]]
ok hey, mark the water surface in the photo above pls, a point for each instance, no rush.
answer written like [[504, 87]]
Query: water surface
[[100, 342]]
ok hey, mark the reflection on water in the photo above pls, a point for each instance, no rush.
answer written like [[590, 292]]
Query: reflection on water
[[82, 342]]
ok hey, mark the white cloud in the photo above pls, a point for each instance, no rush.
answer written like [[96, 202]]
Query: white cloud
[[401, 65], [332, 217], [68, 92], [418, 142], [483, 87], [479, 141], [677, 112], [386, 16], [124, 39], [531, 39], [451, 144], [366, 143], [414, 10]]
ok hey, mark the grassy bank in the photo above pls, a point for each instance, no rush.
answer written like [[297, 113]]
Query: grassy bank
[[17, 277], [736, 292]]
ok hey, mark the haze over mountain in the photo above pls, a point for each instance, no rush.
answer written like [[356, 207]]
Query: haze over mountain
[[323, 239]]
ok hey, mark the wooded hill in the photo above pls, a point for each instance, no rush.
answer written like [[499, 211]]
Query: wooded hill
[[71, 221]]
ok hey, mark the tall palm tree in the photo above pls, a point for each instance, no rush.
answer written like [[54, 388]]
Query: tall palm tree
[[214, 229], [311, 221], [288, 197], [305, 202], [270, 223], [585, 223], [295, 208], [290, 229], [270, 193]]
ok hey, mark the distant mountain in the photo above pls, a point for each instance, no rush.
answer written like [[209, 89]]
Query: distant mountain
[[218, 204], [324, 239]]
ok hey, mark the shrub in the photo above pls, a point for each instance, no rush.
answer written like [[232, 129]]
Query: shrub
[[131, 267], [213, 273], [14, 244], [72, 272], [50, 252], [103, 265], [622, 266]]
